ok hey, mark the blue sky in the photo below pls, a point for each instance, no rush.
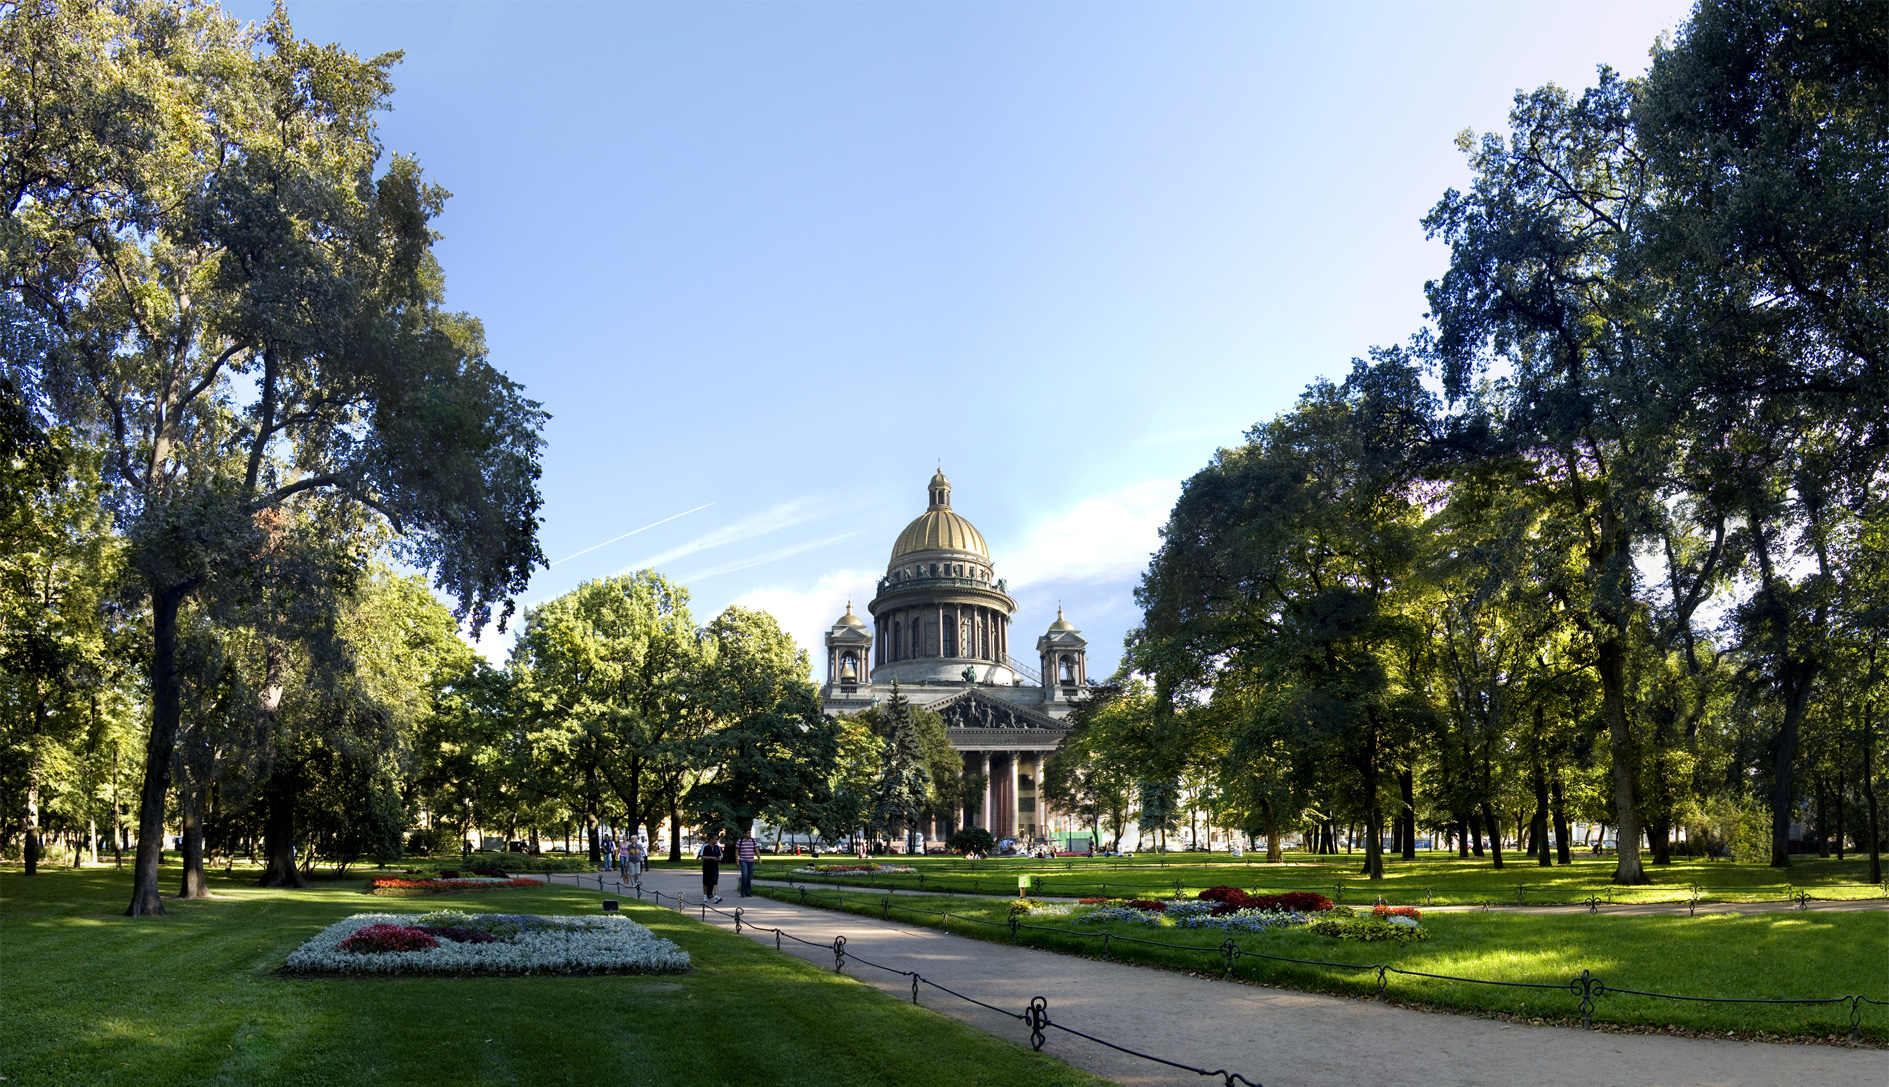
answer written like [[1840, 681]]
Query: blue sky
[[769, 265]]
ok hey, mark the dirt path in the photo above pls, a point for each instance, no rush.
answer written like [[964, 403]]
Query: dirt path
[[1274, 1037]]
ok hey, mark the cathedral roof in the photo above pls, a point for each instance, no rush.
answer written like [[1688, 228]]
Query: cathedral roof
[[940, 528], [1059, 624]]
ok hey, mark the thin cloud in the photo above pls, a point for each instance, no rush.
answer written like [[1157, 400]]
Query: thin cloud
[[632, 532], [758, 560], [808, 613], [785, 515]]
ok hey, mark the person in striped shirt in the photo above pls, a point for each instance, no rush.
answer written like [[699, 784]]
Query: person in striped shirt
[[747, 851]]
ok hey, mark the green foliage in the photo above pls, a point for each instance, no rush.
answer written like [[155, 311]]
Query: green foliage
[[971, 840], [769, 751], [1365, 929]]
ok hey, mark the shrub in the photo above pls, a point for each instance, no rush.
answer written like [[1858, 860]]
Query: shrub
[[1232, 900], [971, 840], [1365, 929], [380, 938], [1147, 905], [449, 873]]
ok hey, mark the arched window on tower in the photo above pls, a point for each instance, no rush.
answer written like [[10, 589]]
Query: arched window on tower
[[1065, 669]]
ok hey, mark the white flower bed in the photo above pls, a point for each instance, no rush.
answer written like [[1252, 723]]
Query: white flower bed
[[568, 945]]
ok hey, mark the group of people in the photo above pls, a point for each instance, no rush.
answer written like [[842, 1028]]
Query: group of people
[[627, 857], [746, 851]]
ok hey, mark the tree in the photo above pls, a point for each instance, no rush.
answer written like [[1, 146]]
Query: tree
[[239, 304], [58, 562], [904, 785], [1287, 558], [769, 753], [1765, 124], [606, 670]]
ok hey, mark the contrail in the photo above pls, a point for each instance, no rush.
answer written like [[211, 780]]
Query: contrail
[[632, 532]]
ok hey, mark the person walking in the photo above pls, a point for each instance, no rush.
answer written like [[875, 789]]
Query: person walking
[[747, 851], [711, 868], [634, 857]]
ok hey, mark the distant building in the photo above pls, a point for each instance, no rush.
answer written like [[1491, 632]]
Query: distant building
[[941, 628]]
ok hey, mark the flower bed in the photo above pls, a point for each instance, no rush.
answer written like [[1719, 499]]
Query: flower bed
[[455, 943], [414, 888], [1233, 910], [852, 869]]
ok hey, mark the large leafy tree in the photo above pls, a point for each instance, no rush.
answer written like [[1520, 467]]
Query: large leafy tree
[[1287, 559], [769, 752], [222, 282], [1768, 126], [57, 559], [606, 673]]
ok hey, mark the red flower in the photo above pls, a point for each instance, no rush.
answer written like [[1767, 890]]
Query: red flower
[[384, 937], [1398, 911]]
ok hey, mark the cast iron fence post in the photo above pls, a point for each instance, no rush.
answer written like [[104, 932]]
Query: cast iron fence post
[[1038, 1018], [1587, 987], [839, 954]]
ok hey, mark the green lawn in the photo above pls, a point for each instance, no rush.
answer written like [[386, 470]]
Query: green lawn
[[95, 998], [1440, 880], [1712, 955]]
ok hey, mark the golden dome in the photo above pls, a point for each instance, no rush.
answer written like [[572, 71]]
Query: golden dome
[[849, 619], [1061, 623], [939, 529]]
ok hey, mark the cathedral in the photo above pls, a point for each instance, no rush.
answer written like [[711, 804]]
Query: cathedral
[[940, 628]]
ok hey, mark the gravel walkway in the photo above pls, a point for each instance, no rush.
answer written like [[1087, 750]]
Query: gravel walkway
[[1274, 1037]]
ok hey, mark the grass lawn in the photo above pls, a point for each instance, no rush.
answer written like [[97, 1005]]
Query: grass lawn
[[95, 998], [1712, 955], [1442, 880]]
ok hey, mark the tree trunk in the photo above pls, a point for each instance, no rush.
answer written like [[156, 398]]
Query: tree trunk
[[592, 818], [1274, 854], [166, 711], [1473, 824], [1560, 801], [675, 824], [278, 828], [190, 810], [1659, 835], [1869, 789], [1783, 764], [1823, 819], [1611, 663], [1839, 799], [1495, 833], [1538, 827], [1407, 790]]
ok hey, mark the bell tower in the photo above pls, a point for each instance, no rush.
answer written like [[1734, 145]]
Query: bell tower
[[1063, 655], [848, 651]]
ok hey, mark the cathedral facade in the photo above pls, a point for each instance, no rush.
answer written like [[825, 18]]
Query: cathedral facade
[[940, 628]]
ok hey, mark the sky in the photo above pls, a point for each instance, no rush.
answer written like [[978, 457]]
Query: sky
[[768, 266]]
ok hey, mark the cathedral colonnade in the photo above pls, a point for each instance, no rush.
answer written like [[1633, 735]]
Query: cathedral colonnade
[[1012, 804]]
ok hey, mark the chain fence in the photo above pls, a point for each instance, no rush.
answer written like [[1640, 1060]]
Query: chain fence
[[1585, 988], [1035, 1015], [1696, 895]]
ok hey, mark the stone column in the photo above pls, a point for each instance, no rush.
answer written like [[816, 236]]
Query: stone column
[[1016, 795], [990, 782]]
